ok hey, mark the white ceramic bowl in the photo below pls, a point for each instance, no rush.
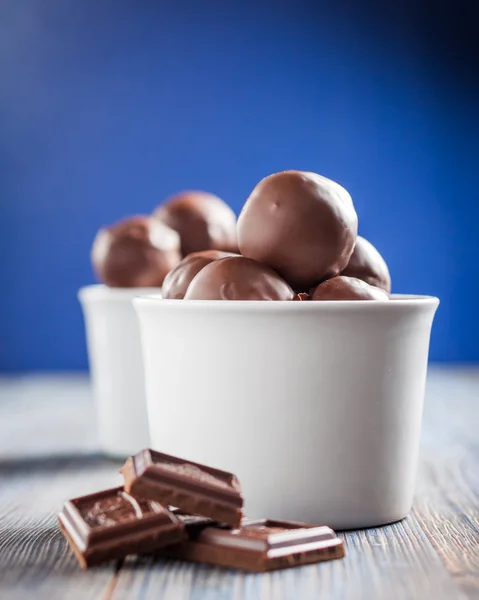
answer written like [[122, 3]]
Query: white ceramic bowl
[[116, 367], [316, 406]]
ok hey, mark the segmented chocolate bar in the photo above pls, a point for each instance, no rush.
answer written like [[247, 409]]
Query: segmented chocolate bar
[[259, 545], [192, 487], [112, 524]]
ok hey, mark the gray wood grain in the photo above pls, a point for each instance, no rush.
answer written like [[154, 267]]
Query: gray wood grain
[[34, 560], [447, 495], [47, 454]]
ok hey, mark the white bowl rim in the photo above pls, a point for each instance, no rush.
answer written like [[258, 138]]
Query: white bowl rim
[[100, 291], [403, 300]]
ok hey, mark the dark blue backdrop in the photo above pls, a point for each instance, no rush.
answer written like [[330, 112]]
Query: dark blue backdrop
[[107, 107]]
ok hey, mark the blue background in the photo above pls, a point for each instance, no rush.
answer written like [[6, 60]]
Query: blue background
[[107, 107]]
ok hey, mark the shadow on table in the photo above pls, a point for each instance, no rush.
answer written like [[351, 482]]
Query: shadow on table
[[49, 463]]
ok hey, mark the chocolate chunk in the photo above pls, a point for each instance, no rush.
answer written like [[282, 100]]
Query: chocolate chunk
[[301, 224], [189, 486], [193, 523], [259, 545], [367, 264], [347, 288], [177, 281], [112, 524], [135, 252], [238, 278], [204, 221]]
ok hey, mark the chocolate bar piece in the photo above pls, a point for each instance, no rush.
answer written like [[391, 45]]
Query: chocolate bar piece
[[112, 524], [192, 487], [259, 545], [192, 523]]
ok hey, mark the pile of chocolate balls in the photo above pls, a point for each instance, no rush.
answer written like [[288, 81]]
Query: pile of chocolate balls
[[295, 239]]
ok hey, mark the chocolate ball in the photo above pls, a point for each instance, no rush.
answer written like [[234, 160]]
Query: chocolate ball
[[203, 221], [347, 288], [177, 281], [135, 252], [301, 224], [238, 278], [367, 264]]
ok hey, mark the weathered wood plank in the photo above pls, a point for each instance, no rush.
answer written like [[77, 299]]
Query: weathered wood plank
[[447, 495], [46, 440], [391, 562], [34, 559], [46, 415]]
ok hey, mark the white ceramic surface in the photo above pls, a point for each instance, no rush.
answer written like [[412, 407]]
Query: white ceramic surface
[[116, 367], [316, 406]]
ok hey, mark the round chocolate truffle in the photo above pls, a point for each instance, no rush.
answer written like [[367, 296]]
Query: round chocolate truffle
[[177, 281], [367, 264], [135, 252], [301, 224], [203, 221], [238, 278], [347, 288]]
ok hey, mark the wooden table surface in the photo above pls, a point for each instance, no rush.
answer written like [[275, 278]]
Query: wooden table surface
[[48, 454]]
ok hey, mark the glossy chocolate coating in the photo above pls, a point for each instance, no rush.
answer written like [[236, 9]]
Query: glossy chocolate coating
[[203, 221], [367, 264], [177, 281], [347, 288], [238, 278], [301, 224], [136, 252]]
